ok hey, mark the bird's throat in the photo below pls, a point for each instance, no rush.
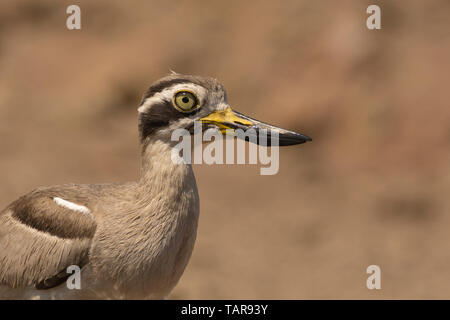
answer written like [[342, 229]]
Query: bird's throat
[[159, 171]]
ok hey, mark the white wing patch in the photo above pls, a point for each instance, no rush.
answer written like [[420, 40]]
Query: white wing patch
[[72, 206]]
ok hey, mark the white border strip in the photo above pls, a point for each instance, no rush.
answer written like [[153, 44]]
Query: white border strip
[[72, 206]]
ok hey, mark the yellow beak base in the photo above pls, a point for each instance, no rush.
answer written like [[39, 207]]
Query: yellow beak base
[[225, 119]]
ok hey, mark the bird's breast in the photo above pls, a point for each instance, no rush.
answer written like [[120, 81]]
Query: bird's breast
[[149, 246]]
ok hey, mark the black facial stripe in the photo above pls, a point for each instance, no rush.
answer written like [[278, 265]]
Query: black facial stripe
[[160, 86], [158, 117]]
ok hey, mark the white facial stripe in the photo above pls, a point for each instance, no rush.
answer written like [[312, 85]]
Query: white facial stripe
[[168, 93], [72, 206], [222, 106]]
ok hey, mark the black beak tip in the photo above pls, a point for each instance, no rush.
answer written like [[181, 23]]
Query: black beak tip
[[293, 139]]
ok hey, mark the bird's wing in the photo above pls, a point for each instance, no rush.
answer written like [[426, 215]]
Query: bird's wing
[[40, 236]]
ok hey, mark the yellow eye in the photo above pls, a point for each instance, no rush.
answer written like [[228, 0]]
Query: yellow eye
[[185, 101]]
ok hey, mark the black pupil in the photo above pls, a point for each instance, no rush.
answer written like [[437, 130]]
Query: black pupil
[[185, 99]]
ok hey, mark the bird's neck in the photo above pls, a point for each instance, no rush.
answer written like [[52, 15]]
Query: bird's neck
[[161, 219], [158, 171]]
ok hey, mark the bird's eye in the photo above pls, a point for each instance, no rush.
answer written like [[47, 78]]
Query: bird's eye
[[185, 101]]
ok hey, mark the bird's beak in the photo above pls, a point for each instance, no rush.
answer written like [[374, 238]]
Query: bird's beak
[[229, 120]]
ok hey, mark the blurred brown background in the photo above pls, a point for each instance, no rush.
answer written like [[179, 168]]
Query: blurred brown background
[[372, 188]]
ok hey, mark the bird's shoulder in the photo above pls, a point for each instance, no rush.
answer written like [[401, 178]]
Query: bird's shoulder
[[61, 211], [44, 232]]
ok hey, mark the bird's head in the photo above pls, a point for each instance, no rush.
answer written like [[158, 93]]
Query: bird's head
[[177, 101]]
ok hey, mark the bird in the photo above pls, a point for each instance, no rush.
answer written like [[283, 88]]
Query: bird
[[129, 240]]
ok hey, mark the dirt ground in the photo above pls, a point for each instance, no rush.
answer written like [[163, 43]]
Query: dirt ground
[[372, 188]]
